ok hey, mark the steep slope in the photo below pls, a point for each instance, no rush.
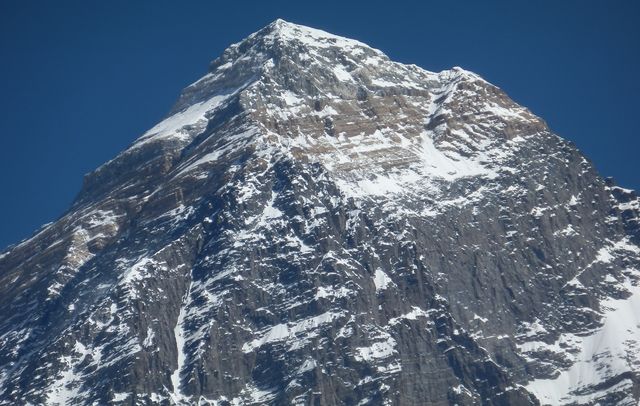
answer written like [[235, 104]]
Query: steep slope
[[316, 224]]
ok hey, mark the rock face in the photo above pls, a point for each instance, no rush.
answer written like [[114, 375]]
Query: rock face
[[315, 224]]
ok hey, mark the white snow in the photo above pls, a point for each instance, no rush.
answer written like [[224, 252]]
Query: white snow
[[205, 159], [314, 38], [178, 396], [450, 166], [119, 397], [382, 280], [533, 329], [308, 365], [341, 74], [172, 126], [482, 319], [291, 99], [324, 292], [286, 331], [377, 350], [149, 338], [383, 83], [411, 315], [228, 143], [610, 351], [66, 385], [566, 232]]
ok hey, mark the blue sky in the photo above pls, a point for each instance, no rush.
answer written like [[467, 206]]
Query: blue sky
[[80, 80]]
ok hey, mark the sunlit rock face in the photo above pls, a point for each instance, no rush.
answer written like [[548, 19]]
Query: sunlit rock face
[[315, 224]]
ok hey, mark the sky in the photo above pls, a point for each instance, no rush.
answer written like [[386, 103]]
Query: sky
[[80, 80]]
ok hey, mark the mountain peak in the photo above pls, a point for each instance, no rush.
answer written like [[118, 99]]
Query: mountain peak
[[286, 32], [317, 224], [302, 85], [280, 24]]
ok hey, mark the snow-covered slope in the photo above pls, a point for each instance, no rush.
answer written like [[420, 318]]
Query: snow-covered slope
[[314, 223]]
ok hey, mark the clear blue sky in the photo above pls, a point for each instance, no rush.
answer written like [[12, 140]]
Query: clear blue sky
[[80, 80]]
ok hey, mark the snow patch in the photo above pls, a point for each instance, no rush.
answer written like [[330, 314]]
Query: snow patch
[[382, 280], [376, 351], [610, 351]]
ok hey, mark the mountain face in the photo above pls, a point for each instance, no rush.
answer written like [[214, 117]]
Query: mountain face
[[315, 224]]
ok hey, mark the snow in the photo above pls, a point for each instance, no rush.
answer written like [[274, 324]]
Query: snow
[[149, 338], [382, 280], [341, 74], [291, 99], [137, 271], [314, 38], [632, 205], [326, 112], [208, 158], [65, 388], [119, 397], [66, 385], [607, 254], [228, 143], [269, 213], [308, 365], [533, 329], [324, 292], [604, 255], [286, 331], [380, 186], [429, 163], [383, 83], [450, 166], [411, 315], [574, 201], [566, 232], [377, 350], [172, 126], [179, 333], [610, 351], [502, 112], [482, 319]]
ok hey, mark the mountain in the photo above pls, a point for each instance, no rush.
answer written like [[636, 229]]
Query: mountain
[[315, 224]]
